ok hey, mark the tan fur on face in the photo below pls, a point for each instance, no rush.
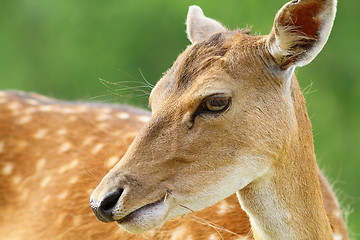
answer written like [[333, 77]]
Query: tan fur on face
[[52, 154], [48, 195], [22, 194], [262, 145]]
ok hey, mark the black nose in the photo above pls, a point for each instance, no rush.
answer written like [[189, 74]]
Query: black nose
[[104, 211]]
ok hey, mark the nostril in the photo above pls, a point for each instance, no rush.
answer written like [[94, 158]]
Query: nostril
[[110, 201]]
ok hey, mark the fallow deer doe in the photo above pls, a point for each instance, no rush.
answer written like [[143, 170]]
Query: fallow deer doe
[[228, 117]]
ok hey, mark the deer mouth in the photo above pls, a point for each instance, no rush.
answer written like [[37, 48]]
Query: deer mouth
[[139, 210], [145, 218]]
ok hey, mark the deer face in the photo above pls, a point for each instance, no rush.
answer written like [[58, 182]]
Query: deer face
[[221, 117]]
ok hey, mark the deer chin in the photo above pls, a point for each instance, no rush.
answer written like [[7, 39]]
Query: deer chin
[[145, 218]]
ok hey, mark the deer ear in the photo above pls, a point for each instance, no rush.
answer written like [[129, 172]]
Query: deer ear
[[200, 27], [301, 29]]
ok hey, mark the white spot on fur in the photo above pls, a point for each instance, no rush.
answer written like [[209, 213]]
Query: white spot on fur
[[77, 220], [68, 110], [25, 194], [40, 164], [111, 162], [62, 131], [213, 237], [7, 169], [103, 126], [41, 97], [337, 237], [82, 109], [103, 117], [143, 119], [180, 233], [106, 110], [24, 119], [63, 195], [123, 115], [69, 166], [151, 234], [46, 199], [45, 181], [117, 133], [14, 106], [41, 133], [46, 108], [32, 101], [30, 110], [2, 146], [73, 180], [66, 146], [16, 180], [224, 208], [3, 94], [97, 148], [337, 214], [88, 140], [72, 118], [242, 238]]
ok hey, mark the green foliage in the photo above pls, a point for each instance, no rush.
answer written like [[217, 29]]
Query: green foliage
[[62, 48]]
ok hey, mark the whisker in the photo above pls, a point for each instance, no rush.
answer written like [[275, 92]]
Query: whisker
[[204, 221], [207, 224], [152, 86], [147, 83], [307, 89], [186, 207], [100, 96], [122, 83], [128, 74], [249, 234], [217, 226], [119, 91], [122, 95], [129, 88], [134, 90], [90, 173]]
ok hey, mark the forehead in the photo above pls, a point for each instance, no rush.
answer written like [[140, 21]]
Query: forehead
[[196, 60]]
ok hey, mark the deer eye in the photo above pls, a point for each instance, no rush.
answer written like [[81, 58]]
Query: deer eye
[[216, 103], [213, 104]]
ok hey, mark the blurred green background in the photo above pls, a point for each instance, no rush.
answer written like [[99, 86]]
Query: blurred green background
[[62, 49]]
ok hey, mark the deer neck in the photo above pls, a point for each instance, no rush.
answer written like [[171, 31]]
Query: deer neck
[[287, 202]]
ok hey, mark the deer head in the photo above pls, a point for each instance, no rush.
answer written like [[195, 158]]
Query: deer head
[[227, 117]]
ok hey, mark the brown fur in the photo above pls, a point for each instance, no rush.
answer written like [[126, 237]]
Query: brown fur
[[300, 27], [307, 23], [201, 57], [261, 147], [32, 212]]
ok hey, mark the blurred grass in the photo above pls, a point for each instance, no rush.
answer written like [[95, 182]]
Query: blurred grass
[[62, 48]]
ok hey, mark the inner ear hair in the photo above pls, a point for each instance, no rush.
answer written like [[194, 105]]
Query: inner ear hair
[[301, 29], [289, 44]]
